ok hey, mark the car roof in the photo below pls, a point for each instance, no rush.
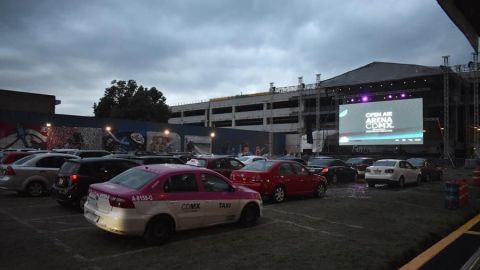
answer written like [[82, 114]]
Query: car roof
[[252, 156], [99, 159], [162, 169], [146, 157], [361, 158], [90, 151], [391, 160]]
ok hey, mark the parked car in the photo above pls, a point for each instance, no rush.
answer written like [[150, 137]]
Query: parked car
[[89, 153], [155, 201], [249, 159], [146, 160], [11, 157], [124, 156], [335, 170], [392, 172], [279, 179], [222, 165], [299, 160], [76, 175], [428, 168], [33, 174], [360, 164]]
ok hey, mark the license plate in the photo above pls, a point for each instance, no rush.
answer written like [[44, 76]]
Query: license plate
[[377, 172], [92, 217]]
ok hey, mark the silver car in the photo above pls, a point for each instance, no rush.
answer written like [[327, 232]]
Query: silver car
[[33, 174]]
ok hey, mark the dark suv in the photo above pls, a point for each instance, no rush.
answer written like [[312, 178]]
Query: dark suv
[[76, 176], [147, 160]]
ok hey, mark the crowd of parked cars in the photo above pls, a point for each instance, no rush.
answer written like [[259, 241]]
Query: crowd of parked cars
[[154, 195]]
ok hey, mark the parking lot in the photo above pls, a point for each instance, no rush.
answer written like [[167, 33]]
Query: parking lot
[[353, 227]]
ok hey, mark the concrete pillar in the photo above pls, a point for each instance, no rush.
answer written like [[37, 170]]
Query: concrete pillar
[[233, 115]]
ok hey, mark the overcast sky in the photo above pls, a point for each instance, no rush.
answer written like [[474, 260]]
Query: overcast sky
[[199, 49]]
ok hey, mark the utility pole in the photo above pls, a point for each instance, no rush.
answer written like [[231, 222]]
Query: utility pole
[[476, 122], [317, 111], [270, 132], [446, 107]]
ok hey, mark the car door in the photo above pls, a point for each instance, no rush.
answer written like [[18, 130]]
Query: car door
[[48, 167], [303, 179], [338, 169], [221, 203], [412, 172], [222, 167], [184, 200], [287, 176]]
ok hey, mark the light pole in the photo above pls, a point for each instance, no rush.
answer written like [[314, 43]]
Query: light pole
[[212, 136]]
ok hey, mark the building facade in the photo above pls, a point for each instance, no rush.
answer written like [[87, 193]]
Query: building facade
[[297, 110]]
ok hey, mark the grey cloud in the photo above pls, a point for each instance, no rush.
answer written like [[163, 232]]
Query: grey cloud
[[201, 49]]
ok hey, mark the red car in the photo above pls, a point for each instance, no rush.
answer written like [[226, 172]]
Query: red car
[[280, 178], [10, 157], [222, 165]]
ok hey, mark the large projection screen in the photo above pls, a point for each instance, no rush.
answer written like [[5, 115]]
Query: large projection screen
[[393, 122]]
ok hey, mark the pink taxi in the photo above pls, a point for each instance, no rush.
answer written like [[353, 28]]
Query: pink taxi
[[154, 201]]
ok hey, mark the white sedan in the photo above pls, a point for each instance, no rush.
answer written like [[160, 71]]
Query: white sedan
[[392, 172], [250, 159]]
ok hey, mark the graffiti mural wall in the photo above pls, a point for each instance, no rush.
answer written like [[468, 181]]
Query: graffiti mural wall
[[159, 142], [197, 144], [124, 141], [20, 135], [74, 137]]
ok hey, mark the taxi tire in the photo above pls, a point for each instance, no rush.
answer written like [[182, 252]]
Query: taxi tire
[[159, 230], [63, 203], [249, 216], [401, 182]]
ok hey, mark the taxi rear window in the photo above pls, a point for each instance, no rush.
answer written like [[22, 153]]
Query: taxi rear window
[[134, 178], [259, 166]]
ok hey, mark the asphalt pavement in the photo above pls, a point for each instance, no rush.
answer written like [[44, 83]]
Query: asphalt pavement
[[353, 227]]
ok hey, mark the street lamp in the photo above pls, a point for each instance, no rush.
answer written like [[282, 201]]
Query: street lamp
[[48, 125], [212, 135], [108, 128], [166, 132]]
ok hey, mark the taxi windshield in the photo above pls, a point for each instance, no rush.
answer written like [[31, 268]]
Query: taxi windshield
[[134, 178]]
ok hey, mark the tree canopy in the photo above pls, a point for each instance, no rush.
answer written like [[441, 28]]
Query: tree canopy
[[127, 100]]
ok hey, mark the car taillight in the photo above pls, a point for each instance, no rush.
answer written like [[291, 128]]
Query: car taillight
[[9, 171], [325, 170], [74, 178], [389, 171], [120, 202]]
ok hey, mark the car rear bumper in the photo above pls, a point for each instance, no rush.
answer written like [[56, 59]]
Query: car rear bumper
[[63, 194], [116, 221], [258, 187], [9, 183]]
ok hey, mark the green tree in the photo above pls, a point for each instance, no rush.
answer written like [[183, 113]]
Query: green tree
[[125, 99]]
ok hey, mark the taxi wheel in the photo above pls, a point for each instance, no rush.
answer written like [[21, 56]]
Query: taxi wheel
[[249, 216], [279, 194], [158, 231], [35, 189], [401, 182], [320, 191], [419, 180], [63, 203]]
